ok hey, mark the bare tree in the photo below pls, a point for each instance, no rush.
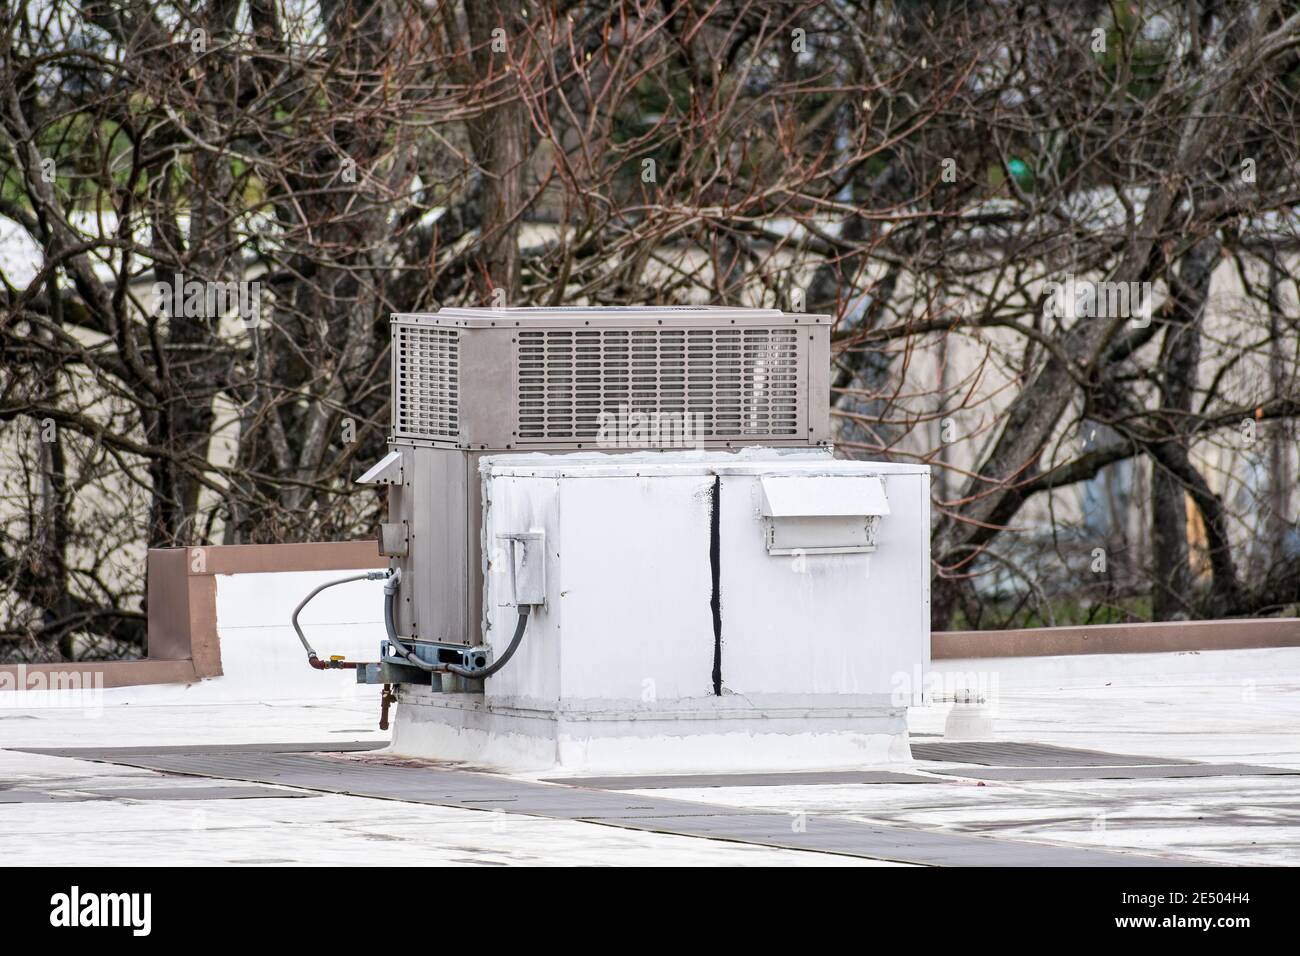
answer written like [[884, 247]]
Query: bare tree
[[921, 170]]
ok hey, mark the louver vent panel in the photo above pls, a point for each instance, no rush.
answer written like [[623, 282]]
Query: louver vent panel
[[427, 395], [741, 383]]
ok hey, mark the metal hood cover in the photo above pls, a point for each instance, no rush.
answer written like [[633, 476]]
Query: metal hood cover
[[823, 496]]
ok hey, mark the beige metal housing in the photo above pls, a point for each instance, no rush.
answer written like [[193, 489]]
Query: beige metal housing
[[503, 379]]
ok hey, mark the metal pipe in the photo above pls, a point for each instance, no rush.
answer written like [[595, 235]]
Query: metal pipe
[[334, 662], [386, 699]]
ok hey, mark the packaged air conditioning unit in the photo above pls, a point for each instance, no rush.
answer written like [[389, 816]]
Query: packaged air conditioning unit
[[472, 382], [620, 540]]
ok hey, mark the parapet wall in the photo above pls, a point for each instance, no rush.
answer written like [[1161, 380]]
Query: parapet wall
[[185, 632]]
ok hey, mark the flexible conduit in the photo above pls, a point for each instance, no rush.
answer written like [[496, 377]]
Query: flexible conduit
[[478, 673], [473, 673]]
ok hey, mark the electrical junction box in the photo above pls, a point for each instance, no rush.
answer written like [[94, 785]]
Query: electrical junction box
[[674, 636], [524, 556]]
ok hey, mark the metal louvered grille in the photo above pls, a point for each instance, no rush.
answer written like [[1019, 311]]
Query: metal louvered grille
[[741, 383], [427, 399]]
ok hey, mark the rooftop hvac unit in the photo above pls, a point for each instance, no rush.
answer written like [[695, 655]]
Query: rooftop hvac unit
[[469, 382], [651, 496]]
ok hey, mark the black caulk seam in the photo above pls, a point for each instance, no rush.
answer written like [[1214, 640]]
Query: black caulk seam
[[715, 601]]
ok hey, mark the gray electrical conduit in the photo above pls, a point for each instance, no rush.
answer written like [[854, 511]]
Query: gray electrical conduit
[[391, 580], [390, 595], [473, 673], [478, 673]]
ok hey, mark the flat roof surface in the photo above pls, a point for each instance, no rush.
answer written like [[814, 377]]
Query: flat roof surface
[[1096, 759]]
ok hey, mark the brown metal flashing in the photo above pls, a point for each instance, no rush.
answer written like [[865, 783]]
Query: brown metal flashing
[[260, 558], [182, 612], [1151, 638], [169, 605], [95, 675], [205, 643]]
